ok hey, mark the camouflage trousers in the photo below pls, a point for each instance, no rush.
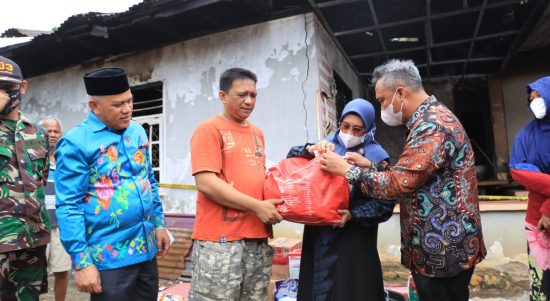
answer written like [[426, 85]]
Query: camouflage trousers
[[231, 271], [23, 275]]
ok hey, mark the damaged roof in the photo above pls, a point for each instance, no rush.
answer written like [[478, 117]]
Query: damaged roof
[[150, 24], [450, 38]]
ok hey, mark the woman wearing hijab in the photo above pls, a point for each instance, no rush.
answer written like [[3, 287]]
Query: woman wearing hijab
[[530, 167], [342, 263]]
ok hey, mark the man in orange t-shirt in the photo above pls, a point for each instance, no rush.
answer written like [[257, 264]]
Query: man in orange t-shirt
[[231, 257]]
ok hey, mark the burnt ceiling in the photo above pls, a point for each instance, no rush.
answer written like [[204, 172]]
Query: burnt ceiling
[[451, 38]]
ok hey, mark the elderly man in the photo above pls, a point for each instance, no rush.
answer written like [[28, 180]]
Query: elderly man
[[109, 213], [434, 181], [24, 224], [59, 262]]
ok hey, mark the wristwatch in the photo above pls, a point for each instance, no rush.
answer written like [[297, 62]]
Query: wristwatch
[[353, 174]]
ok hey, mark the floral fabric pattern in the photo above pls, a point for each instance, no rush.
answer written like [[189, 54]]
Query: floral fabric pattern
[[107, 196]]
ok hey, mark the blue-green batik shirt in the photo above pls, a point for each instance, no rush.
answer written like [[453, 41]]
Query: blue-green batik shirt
[[106, 196]]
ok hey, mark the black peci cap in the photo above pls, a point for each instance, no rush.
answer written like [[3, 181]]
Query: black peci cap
[[107, 81]]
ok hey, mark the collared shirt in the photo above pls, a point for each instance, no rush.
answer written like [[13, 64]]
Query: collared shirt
[[24, 156], [436, 183], [106, 195]]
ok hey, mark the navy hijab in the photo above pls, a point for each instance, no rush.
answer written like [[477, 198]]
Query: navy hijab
[[531, 150], [371, 149]]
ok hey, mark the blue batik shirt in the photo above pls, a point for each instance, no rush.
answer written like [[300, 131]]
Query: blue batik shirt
[[107, 199]]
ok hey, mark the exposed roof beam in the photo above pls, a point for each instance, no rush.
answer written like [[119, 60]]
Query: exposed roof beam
[[450, 62], [421, 19], [442, 44], [336, 3], [260, 6], [378, 30], [476, 31], [529, 24], [445, 77], [189, 5], [460, 61], [327, 27], [429, 36]]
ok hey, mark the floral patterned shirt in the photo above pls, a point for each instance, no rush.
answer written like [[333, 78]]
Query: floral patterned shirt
[[436, 183], [106, 196]]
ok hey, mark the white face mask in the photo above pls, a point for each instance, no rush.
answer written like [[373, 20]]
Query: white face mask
[[538, 107], [391, 118], [350, 140]]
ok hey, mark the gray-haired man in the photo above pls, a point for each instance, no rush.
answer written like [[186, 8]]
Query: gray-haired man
[[59, 262], [434, 180]]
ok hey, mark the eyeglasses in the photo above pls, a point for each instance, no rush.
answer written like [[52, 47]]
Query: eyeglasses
[[358, 130]]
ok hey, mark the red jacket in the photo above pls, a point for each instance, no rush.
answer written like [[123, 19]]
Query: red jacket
[[538, 184]]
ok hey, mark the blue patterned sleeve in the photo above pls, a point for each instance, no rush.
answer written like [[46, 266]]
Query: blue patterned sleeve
[[369, 212], [71, 179]]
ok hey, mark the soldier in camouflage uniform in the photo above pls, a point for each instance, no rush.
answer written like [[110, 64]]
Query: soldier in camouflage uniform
[[24, 224]]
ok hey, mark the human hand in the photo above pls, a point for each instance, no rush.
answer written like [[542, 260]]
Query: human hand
[[322, 147], [333, 163], [357, 159], [87, 280], [346, 217], [544, 223], [267, 212], [163, 241]]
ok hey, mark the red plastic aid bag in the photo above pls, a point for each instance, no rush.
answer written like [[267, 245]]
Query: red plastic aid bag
[[311, 196]]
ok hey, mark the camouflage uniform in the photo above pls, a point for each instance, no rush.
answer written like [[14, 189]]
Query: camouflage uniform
[[231, 271], [24, 223]]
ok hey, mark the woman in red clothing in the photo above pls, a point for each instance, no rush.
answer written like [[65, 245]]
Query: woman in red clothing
[[530, 167]]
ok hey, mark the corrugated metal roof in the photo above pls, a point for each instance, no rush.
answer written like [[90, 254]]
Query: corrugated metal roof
[[172, 265], [21, 32], [150, 24]]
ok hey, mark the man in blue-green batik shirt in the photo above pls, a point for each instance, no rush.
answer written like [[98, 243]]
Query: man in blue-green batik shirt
[[108, 209]]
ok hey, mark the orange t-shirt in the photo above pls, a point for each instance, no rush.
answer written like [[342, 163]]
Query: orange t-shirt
[[236, 154]]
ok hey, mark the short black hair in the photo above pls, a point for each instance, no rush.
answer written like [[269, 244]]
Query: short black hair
[[230, 75]]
